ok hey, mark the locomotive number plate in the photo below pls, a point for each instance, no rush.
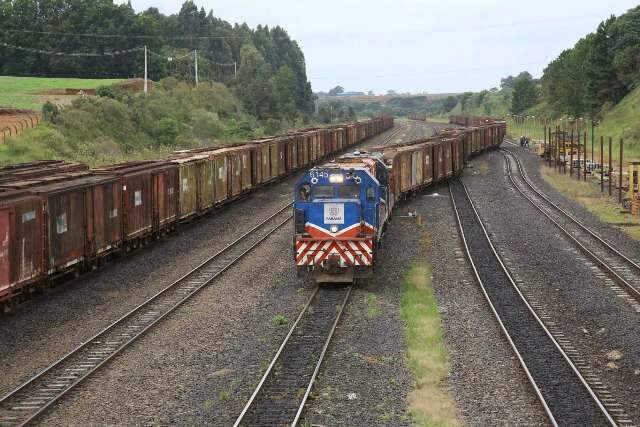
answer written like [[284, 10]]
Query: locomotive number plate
[[334, 213]]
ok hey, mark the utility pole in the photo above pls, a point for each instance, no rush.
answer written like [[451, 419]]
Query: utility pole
[[195, 54], [145, 68], [235, 70]]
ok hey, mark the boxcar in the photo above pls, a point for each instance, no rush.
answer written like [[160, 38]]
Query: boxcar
[[149, 197], [21, 226], [81, 220]]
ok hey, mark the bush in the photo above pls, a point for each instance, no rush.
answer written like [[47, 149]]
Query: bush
[[50, 111], [166, 131], [272, 126], [111, 91], [206, 125]]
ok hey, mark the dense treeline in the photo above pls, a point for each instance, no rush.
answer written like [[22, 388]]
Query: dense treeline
[[598, 71], [271, 75]]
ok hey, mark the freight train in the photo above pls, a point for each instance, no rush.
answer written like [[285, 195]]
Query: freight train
[[58, 218], [342, 207]]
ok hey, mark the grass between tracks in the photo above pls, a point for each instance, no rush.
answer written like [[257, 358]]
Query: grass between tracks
[[430, 403], [600, 204]]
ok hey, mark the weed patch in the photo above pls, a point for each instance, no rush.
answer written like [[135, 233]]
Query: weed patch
[[429, 403]]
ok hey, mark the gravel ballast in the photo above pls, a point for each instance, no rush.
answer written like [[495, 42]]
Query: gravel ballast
[[486, 379], [597, 324], [568, 400]]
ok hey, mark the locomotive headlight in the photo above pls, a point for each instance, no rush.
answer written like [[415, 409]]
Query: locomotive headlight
[[336, 178], [334, 228]]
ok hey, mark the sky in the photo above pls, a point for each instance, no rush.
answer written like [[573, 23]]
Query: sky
[[432, 46]]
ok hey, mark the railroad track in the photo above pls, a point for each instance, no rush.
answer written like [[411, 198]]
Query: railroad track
[[620, 268], [281, 394], [564, 393], [32, 398]]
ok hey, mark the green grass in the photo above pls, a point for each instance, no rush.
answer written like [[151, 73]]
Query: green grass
[[600, 204], [373, 305], [429, 403], [22, 92], [279, 320]]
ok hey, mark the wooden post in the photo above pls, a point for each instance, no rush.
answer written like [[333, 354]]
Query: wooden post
[[601, 164], [571, 155], [620, 169], [544, 149], [585, 155], [610, 175], [579, 147]]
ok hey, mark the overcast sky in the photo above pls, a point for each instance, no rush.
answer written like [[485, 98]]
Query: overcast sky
[[418, 45]]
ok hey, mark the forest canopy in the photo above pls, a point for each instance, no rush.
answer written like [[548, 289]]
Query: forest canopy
[[77, 38]]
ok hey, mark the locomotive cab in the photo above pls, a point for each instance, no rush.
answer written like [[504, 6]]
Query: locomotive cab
[[338, 211]]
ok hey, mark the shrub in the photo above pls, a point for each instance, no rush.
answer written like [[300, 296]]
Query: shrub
[[50, 111], [166, 131]]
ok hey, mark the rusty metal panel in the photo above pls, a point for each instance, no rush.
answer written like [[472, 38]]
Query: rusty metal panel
[[235, 173], [448, 157], [103, 211], [245, 163], [256, 165], [282, 148], [266, 162], [220, 178], [206, 189], [6, 220], [66, 229], [188, 195], [428, 165], [274, 156], [137, 202]]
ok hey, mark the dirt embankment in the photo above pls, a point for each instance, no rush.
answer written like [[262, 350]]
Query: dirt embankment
[[14, 121]]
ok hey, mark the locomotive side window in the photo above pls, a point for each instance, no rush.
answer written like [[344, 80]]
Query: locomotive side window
[[304, 192], [323, 192], [371, 194], [349, 192]]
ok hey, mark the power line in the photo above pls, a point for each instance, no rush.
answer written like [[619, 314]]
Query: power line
[[136, 36], [78, 54]]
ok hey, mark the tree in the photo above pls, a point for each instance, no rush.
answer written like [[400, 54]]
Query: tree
[[284, 84], [336, 91], [351, 114], [449, 103], [371, 93], [525, 94], [254, 83], [391, 92]]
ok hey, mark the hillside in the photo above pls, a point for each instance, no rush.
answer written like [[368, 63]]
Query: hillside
[[120, 125], [622, 121]]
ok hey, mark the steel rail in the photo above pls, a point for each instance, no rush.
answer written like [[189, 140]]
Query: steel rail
[[635, 292], [548, 333], [18, 408], [281, 351]]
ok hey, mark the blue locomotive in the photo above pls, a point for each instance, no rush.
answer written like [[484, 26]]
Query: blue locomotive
[[340, 210]]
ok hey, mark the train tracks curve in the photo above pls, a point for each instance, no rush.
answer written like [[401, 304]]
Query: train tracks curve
[[36, 395], [283, 390], [565, 394], [620, 268]]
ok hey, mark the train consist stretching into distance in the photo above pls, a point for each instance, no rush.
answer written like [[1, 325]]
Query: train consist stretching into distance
[[58, 218], [342, 206]]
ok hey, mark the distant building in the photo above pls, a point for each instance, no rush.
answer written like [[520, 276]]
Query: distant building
[[350, 94]]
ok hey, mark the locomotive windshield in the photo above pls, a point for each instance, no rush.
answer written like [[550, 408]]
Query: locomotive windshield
[[323, 191], [349, 192]]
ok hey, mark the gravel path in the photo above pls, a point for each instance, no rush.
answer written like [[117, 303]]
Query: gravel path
[[601, 327]]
